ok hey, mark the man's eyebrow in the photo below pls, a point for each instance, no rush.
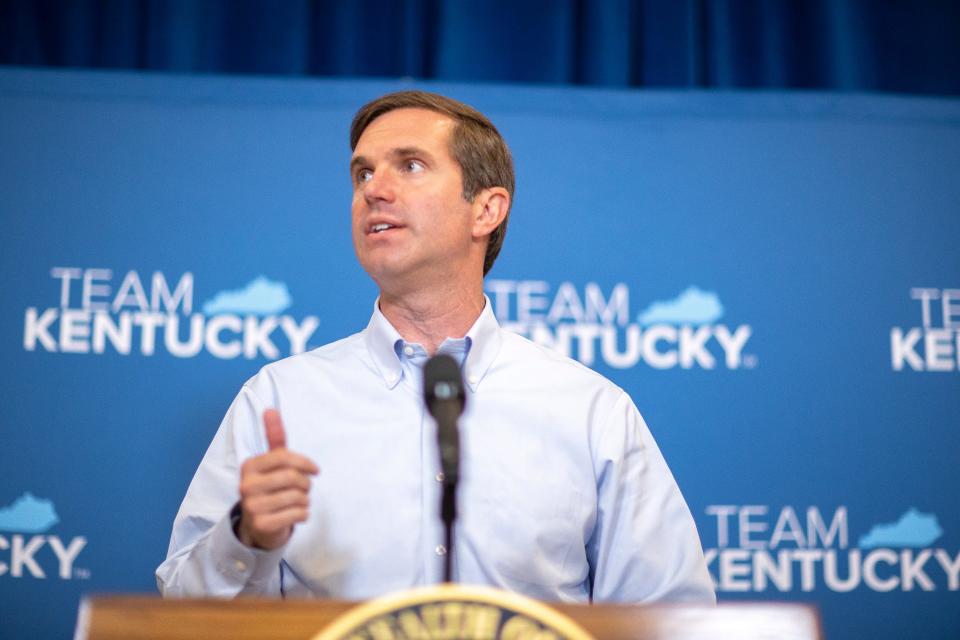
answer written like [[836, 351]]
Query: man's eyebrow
[[399, 152], [405, 152], [357, 160]]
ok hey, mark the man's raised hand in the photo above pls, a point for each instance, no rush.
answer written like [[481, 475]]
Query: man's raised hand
[[274, 490]]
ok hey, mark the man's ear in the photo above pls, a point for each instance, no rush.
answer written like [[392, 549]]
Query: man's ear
[[490, 208]]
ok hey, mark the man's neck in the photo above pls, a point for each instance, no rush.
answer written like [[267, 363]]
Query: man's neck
[[430, 317]]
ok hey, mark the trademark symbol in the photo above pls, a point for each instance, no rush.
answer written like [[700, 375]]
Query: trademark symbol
[[750, 361], [81, 574]]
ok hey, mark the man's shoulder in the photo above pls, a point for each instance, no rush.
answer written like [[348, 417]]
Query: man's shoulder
[[521, 352]]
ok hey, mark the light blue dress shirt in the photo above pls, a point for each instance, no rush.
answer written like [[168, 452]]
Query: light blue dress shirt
[[563, 495]]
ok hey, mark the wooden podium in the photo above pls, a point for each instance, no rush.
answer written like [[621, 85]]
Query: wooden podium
[[151, 618]]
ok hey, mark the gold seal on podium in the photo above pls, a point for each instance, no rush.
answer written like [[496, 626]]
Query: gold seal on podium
[[453, 612]]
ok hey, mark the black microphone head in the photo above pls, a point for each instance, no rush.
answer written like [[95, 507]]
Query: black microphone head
[[442, 381]]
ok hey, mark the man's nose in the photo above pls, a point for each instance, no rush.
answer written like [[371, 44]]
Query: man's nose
[[380, 186]]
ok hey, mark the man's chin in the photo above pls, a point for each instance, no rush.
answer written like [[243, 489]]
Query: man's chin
[[398, 277], [389, 269]]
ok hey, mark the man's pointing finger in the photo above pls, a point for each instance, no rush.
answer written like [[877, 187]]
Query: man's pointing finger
[[276, 436]]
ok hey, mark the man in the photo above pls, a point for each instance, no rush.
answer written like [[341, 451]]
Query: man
[[563, 495]]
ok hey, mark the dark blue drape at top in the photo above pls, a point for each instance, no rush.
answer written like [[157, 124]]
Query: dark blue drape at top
[[847, 45]]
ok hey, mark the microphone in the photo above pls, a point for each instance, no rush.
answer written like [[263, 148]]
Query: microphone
[[445, 399]]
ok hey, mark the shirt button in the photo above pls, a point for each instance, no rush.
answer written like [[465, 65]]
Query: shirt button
[[473, 379], [440, 550], [240, 565], [409, 350], [439, 477]]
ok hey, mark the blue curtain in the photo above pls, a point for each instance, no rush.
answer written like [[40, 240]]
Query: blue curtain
[[845, 45]]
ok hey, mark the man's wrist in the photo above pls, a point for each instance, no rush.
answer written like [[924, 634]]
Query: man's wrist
[[236, 518]]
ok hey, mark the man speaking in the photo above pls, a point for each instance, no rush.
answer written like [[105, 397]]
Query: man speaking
[[324, 478]]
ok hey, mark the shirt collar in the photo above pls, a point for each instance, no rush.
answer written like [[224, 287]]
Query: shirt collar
[[484, 346], [483, 341]]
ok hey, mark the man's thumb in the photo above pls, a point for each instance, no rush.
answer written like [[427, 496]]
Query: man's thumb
[[276, 437]]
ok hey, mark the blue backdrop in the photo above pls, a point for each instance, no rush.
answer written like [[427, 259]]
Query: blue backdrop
[[774, 278]]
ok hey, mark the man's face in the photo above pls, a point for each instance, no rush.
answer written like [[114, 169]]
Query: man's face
[[410, 221]]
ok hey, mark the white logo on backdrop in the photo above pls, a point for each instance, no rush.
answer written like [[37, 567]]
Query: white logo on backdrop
[[593, 325], [757, 550], [935, 345], [96, 315], [37, 556]]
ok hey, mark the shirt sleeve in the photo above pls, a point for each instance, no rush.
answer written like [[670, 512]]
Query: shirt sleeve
[[645, 545], [205, 558]]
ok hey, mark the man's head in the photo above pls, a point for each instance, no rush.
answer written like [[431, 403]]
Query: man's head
[[474, 143]]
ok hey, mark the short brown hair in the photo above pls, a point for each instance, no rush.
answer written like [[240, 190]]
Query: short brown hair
[[475, 144]]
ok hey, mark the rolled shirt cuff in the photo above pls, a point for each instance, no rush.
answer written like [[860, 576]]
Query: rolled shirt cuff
[[241, 564]]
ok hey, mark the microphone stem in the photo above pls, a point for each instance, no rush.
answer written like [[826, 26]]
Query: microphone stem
[[446, 414], [448, 513]]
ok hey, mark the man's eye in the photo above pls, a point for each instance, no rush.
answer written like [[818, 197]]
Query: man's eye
[[364, 175], [413, 166]]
